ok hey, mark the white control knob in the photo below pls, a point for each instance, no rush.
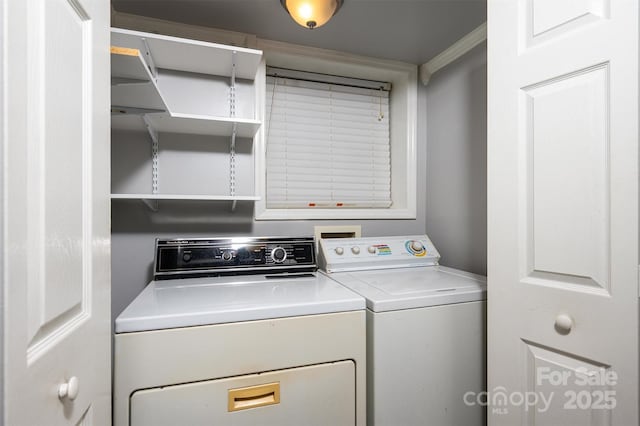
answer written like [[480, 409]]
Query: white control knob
[[371, 249], [69, 390], [355, 250], [417, 246], [339, 251], [564, 324]]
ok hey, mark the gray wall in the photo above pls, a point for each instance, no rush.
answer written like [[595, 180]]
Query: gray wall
[[135, 227], [456, 166]]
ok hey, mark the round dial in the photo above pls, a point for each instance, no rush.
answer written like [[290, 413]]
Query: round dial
[[278, 255], [417, 246], [186, 257], [371, 249], [355, 250], [227, 255], [339, 251]]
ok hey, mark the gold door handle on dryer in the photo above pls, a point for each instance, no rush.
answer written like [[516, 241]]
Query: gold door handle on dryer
[[254, 396]]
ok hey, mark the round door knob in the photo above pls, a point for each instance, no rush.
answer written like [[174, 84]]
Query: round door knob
[[564, 324], [355, 250], [371, 249], [69, 390], [339, 251]]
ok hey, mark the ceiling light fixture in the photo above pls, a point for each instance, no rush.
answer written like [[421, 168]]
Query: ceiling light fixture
[[311, 13]]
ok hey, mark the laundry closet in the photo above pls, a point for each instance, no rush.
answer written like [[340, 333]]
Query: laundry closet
[[189, 123], [233, 303]]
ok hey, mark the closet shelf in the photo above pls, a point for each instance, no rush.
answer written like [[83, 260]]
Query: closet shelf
[[152, 200], [194, 56], [188, 124], [154, 197], [127, 64], [147, 97], [203, 125], [132, 84], [134, 90]]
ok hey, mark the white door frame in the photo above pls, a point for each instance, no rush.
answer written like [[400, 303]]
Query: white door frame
[[2, 203]]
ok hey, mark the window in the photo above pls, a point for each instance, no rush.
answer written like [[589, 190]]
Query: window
[[327, 142], [298, 177]]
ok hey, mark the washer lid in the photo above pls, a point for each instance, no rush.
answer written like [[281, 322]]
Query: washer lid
[[203, 301], [407, 288]]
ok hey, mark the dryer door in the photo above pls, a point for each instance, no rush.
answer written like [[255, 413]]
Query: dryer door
[[314, 395]]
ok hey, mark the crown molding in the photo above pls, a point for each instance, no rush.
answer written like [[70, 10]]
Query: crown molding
[[456, 50]]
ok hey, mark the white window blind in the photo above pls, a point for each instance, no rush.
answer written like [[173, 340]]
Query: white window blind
[[327, 145]]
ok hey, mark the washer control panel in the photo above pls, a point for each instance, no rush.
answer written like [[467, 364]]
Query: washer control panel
[[351, 254]]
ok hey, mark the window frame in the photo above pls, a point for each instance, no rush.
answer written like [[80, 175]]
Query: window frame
[[403, 126]]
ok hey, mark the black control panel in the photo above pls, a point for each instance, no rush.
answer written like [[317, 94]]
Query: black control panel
[[233, 256]]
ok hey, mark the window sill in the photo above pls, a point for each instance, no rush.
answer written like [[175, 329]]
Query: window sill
[[335, 214]]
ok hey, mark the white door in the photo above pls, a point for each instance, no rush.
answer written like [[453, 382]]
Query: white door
[[56, 241], [563, 212]]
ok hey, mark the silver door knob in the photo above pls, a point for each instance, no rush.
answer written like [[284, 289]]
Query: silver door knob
[[69, 390], [564, 324]]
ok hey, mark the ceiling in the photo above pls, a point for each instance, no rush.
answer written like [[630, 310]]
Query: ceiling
[[406, 30]]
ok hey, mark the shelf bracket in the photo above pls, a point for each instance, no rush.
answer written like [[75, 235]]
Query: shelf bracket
[[232, 87], [232, 113], [154, 155], [232, 162], [151, 204], [149, 59]]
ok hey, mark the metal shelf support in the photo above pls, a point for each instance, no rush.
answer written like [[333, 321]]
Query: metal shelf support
[[232, 113], [150, 63], [232, 166], [153, 205]]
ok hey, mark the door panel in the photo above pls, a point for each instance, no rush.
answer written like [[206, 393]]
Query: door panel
[[320, 395], [566, 167], [574, 389], [58, 200], [57, 322], [563, 211], [546, 19], [63, 211]]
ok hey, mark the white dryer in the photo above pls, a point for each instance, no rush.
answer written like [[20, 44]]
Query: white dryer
[[426, 329], [240, 331]]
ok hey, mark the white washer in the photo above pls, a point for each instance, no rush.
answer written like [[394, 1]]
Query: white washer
[[426, 329], [273, 343]]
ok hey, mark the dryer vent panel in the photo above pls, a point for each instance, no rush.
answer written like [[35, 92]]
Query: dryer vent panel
[[341, 231]]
